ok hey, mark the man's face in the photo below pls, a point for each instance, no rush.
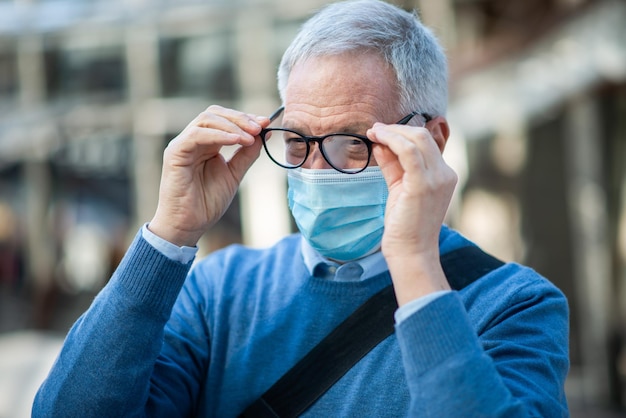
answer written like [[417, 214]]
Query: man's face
[[341, 93]]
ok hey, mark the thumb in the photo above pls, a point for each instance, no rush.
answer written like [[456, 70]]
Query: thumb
[[388, 163], [243, 159]]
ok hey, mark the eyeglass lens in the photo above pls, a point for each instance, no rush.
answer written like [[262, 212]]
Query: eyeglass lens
[[343, 152]]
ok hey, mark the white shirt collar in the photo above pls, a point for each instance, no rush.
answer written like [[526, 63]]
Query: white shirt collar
[[369, 266]]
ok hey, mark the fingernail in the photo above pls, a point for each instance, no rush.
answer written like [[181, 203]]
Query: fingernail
[[254, 124]]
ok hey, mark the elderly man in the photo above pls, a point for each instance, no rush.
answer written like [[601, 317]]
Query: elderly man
[[361, 132]]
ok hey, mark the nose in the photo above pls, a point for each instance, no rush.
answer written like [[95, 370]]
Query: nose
[[316, 160]]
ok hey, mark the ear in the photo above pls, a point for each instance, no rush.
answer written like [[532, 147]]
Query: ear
[[440, 131]]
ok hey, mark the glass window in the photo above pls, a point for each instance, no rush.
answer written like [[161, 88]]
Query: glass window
[[201, 66], [8, 73], [85, 71], [99, 153]]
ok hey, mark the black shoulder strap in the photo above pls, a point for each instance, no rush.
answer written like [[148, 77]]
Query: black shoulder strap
[[349, 342]]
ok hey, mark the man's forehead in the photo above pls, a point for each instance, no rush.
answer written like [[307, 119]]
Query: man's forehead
[[317, 121], [343, 89]]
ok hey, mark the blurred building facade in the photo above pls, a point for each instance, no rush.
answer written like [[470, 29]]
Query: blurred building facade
[[91, 92]]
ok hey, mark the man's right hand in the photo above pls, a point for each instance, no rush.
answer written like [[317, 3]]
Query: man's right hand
[[197, 183]]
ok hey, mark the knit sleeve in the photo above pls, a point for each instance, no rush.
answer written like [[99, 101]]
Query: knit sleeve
[[507, 357], [107, 360]]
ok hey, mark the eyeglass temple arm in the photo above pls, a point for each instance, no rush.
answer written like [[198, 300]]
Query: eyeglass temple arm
[[402, 121], [407, 118], [276, 114]]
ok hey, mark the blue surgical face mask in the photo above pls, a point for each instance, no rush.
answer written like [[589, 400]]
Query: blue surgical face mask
[[340, 215]]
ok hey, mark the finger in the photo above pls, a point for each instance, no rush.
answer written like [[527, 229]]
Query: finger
[[388, 163], [414, 147], [419, 136], [196, 144], [213, 130], [264, 121], [243, 159], [398, 152], [232, 121]]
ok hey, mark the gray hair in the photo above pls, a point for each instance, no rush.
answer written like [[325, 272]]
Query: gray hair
[[396, 35]]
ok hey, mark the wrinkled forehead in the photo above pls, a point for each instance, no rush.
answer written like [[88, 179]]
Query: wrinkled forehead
[[338, 124], [341, 91]]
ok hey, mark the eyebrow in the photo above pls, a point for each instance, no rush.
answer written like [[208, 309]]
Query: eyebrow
[[353, 128]]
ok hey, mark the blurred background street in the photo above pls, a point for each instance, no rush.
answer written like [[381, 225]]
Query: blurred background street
[[91, 91]]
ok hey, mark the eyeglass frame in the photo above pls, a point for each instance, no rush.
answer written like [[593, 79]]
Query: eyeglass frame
[[319, 139]]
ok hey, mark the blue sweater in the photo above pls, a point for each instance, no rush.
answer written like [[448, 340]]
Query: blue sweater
[[498, 348]]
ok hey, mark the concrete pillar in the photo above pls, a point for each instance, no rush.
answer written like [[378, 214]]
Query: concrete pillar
[[40, 243], [588, 211], [142, 48], [618, 157], [31, 71], [263, 195]]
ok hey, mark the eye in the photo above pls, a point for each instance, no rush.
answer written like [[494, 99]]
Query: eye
[[295, 145], [294, 139]]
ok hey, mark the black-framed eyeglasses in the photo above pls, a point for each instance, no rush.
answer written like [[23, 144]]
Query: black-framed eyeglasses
[[345, 152]]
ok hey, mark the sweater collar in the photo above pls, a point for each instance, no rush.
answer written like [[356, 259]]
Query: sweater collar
[[357, 270]]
